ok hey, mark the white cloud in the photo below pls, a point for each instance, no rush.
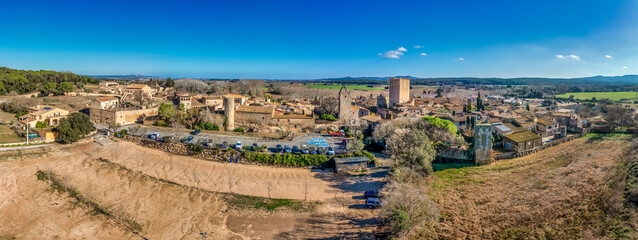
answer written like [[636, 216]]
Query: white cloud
[[560, 56], [424, 54], [461, 59], [418, 46], [624, 67], [393, 53], [608, 56], [575, 57]]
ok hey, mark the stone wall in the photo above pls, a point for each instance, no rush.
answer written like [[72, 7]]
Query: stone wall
[[182, 149]]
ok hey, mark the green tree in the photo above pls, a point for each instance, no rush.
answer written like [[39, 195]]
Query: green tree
[[170, 82], [328, 117], [527, 107], [66, 87], [49, 88], [441, 123], [74, 127], [166, 111]]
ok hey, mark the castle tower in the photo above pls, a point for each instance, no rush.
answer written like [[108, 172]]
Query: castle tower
[[482, 143], [229, 113], [399, 90], [382, 101], [345, 105]]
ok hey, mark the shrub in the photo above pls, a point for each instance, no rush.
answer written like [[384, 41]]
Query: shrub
[[74, 127], [194, 148], [239, 129], [161, 123], [328, 117]]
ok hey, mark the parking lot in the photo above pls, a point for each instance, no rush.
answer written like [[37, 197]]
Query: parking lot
[[217, 139]]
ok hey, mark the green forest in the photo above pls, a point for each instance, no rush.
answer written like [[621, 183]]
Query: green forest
[[43, 81]]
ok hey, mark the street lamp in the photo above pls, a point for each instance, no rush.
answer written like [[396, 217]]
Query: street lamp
[[27, 130]]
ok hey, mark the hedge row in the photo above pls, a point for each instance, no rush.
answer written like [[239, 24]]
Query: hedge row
[[286, 159], [297, 160]]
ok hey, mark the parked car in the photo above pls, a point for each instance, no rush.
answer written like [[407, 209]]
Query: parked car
[[373, 202], [287, 149], [238, 145], [344, 141], [197, 131], [371, 194], [321, 150], [264, 148], [189, 139], [330, 151], [295, 149], [154, 136], [209, 144], [224, 145], [279, 148], [304, 149], [313, 150], [254, 147]]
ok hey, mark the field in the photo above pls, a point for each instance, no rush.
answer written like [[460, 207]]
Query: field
[[349, 86], [564, 192], [615, 96], [8, 136]]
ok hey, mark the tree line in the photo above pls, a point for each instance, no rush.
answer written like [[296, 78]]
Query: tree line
[[46, 82]]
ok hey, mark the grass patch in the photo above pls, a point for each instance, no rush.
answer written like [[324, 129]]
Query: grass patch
[[443, 166], [349, 86], [614, 96], [270, 204]]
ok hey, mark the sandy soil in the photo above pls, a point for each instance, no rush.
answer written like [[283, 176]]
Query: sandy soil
[[551, 193], [166, 211]]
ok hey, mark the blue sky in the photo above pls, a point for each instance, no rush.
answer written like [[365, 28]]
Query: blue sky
[[320, 39]]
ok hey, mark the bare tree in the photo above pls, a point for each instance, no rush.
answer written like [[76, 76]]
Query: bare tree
[[191, 85], [328, 105]]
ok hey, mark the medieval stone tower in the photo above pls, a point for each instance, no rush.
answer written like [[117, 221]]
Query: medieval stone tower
[[482, 143], [345, 105], [399, 90], [229, 113], [382, 101]]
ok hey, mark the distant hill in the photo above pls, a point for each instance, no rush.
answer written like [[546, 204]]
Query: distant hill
[[613, 80], [124, 77]]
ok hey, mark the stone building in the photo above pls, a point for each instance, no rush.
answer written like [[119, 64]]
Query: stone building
[[483, 143], [522, 141], [121, 116], [104, 102], [399, 91], [345, 105], [382, 101]]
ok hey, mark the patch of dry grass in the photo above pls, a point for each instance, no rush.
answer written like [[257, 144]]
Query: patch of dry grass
[[559, 193]]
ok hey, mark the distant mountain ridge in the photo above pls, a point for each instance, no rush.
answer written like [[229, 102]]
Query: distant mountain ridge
[[124, 77]]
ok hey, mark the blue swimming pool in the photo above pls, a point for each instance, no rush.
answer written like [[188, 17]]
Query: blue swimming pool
[[34, 135]]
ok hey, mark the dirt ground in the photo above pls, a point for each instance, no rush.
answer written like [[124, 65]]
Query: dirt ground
[[558, 193], [31, 210]]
